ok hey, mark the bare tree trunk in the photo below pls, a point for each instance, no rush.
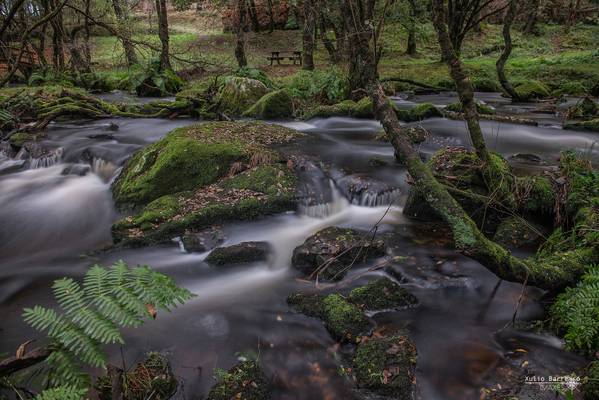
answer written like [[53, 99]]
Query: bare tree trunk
[[124, 27], [532, 17], [461, 79], [328, 43], [308, 35], [411, 47], [271, 17], [57, 39], [165, 62], [241, 28], [507, 50], [254, 16], [361, 74]]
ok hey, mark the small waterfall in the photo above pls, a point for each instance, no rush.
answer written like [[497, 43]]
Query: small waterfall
[[46, 160], [325, 209], [373, 199], [104, 169]]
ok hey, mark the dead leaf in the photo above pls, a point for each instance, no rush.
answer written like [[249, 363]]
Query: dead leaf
[[151, 310], [23, 349]]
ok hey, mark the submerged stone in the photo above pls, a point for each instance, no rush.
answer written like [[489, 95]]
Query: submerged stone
[[202, 241], [329, 253], [244, 381], [386, 366], [382, 294], [245, 252]]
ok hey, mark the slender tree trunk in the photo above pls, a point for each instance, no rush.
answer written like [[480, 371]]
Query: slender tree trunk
[[254, 16], [241, 28], [57, 39], [462, 81], [411, 47], [165, 62], [507, 49], [271, 17], [124, 27], [308, 35], [327, 43], [532, 17]]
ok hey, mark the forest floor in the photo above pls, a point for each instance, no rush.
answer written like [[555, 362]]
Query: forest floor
[[568, 62]]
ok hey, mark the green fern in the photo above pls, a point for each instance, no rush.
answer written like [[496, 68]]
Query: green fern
[[576, 312], [62, 393], [93, 313]]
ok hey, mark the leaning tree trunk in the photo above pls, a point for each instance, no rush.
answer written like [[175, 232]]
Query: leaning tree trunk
[[532, 16], [241, 28], [308, 35], [461, 80], [123, 23], [165, 62], [253, 11], [507, 50]]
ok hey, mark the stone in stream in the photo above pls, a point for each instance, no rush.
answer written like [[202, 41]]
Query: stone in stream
[[515, 232], [386, 366], [245, 252], [76, 169], [329, 253], [382, 294], [345, 321], [238, 94], [244, 381], [204, 240]]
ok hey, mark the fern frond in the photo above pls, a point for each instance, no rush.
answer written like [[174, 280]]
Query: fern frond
[[65, 370], [62, 393]]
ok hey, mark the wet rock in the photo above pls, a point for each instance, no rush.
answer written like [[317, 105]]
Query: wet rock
[[9, 166], [377, 162], [344, 320], [527, 158], [382, 294], [585, 108], [7, 149], [204, 240], [245, 252], [76, 169], [330, 252], [101, 136], [386, 366], [113, 127], [274, 105], [243, 381], [514, 232], [481, 108], [366, 191]]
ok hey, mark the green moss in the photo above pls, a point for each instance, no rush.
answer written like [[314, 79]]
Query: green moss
[[309, 304], [582, 182], [419, 113], [532, 90], [590, 386], [345, 321], [271, 180], [382, 294], [161, 209], [274, 105], [238, 94], [484, 84], [175, 163], [591, 125], [480, 108], [535, 195], [516, 232], [244, 381], [386, 366], [257, 74], [344, 108], [363, 108], [18, 139]]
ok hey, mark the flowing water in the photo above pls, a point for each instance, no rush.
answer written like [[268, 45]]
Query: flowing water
[[56, 215]]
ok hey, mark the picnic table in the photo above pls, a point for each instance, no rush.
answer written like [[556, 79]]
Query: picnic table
[[291, 55]]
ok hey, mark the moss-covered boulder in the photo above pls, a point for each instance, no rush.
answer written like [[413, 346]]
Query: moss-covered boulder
[[329, 253], [535, 195], [419, 113], [274, 105], [386, 366], [342, 109], [244, 381], [585, 108], [363, 108], [515, 232], [532, 90], [237, 94], [202, 240], [193, 156], [241, 253], [382, 294], [253, 193], [590, 387], [345, 321]]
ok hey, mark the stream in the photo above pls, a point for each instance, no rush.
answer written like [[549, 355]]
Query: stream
[[56, 212]]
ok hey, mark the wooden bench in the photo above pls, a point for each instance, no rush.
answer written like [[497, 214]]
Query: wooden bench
[[278, 56]]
